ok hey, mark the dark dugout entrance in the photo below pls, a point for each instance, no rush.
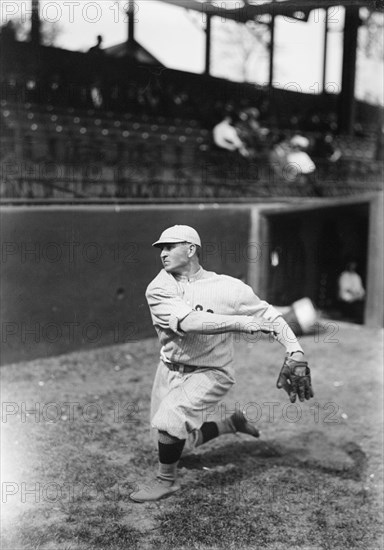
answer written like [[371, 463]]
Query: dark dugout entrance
[[309, 249]]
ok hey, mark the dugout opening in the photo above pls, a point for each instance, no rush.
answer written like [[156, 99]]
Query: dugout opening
[[308, 248]]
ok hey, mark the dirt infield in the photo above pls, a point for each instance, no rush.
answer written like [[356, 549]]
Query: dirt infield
[[76, 440]]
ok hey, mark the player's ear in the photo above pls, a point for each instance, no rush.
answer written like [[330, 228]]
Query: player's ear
[[192, 250]]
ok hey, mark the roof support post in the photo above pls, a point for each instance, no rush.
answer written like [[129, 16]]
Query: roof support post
[[131, 21], [208, 34], [35, 36], [272, 45], [347, 105], [325, 52]]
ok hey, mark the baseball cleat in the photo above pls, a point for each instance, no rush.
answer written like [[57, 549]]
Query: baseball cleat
[[157, 489], [242, 425]]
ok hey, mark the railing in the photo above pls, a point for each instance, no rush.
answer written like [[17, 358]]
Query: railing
[[208, 181]]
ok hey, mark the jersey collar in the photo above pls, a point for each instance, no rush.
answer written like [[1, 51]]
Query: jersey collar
[[183, 279]]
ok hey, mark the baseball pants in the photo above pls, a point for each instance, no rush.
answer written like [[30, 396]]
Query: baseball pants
[[179, 402]]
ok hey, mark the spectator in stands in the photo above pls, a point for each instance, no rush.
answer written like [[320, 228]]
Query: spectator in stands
[[300, 165], [252, 116], [226, 137], [351, 293], [95, 90], [250, 131], [331, 122], [278, 154], [96, 94], [325, 149], [290, 161], [97, 49]]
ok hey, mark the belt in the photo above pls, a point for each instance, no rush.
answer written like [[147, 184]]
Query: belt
[[179, 367]]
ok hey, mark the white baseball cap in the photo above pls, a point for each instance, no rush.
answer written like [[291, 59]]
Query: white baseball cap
[[299, 141], [179, 234]]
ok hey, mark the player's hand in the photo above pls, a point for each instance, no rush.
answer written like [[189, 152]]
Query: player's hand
[[295, 377]]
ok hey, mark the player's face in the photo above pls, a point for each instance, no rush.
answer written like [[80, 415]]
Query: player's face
[[175, 257]]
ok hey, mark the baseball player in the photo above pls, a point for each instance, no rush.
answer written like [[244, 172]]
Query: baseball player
[[196, 313]]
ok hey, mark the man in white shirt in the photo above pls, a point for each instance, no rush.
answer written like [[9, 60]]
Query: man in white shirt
[[298, 157], [351, 292], [225, 136]]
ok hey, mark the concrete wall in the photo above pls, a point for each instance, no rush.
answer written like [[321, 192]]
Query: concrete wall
[[75, 277]]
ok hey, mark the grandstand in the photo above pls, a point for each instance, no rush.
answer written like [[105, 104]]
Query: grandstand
[[78, 127]]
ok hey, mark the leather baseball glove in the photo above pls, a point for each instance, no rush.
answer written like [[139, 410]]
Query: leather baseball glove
[[295, 378]]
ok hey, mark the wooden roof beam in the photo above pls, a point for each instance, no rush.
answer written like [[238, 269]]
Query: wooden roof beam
[[286, 8]]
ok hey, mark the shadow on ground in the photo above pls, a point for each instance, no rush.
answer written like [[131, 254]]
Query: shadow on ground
[[313, 451]]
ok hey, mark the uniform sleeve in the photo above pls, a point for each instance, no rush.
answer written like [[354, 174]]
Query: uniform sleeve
[[250, 304], [167, 308]]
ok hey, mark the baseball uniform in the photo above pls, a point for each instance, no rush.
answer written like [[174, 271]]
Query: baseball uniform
[[195, 313], [179, 399]]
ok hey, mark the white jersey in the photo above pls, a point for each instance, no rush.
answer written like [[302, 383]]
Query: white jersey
[[301, 161], [225, 135], [171, 298], [350, 287]]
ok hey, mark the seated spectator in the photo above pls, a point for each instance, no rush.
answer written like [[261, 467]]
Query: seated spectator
[[290, 161], [226, 137], [96, 94], [298, 156], [351, 293], [301, 167], [278, 155], [250, 131], [325, 149], [253, 116]]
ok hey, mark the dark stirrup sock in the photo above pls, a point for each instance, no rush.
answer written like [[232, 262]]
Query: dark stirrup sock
[[170, 449], [208, 431], [235, 423]]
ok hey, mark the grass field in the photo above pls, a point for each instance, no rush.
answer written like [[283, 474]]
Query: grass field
[[313, 481]]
